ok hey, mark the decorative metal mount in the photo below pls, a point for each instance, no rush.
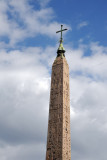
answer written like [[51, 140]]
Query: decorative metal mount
[[61, 50]]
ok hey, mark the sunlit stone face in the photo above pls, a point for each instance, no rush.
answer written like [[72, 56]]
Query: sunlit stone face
[[58, 139]]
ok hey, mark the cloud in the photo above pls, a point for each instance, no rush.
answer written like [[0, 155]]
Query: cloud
[[88, 101], [43, 3], [24, 101], [25, 86], [22, 152], [82, 24], [19, 20], [94, 65]]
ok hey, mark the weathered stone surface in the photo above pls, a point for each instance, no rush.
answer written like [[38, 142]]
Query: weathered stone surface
[[58, 139]]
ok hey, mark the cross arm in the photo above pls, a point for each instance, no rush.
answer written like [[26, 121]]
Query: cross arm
[[61, 30]]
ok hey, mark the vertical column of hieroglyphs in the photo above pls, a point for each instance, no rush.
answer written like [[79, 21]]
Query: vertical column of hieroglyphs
[[55, 122], [66, 113]]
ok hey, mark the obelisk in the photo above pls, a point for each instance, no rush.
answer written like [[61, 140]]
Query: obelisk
[[58, 138]]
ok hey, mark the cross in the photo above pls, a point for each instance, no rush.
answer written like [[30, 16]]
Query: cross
[[61, 31]]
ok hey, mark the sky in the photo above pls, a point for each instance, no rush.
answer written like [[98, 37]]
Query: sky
[[28, 46]]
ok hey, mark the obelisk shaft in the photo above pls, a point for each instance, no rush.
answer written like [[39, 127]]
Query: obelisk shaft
[[58, 139]]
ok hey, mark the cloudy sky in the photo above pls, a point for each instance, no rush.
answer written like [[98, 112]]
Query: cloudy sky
[[28, 45]]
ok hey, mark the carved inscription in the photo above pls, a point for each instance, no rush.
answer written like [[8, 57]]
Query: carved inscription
[[58, 139]]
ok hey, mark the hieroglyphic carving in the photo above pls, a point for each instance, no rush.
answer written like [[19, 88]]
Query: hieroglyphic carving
[[58, 140]]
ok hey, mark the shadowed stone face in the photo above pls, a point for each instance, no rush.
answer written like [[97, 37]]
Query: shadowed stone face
[[58, 139]]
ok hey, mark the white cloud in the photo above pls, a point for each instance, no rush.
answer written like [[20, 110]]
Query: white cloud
[[24, 97], [24, 101], [94, 65], [88, 83], [25, 86], [43, 3], [82, 24], [20, 20]]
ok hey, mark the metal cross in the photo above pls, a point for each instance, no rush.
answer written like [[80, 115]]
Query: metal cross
[[61, 31]]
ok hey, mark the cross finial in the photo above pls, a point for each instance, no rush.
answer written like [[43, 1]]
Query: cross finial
[[61, 50], [61, 40]]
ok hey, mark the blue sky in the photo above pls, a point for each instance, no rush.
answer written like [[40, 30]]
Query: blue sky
[[28, 45], [76, 12], [86, 18]]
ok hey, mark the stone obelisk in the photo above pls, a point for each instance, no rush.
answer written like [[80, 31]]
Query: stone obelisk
[[58, 138]]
